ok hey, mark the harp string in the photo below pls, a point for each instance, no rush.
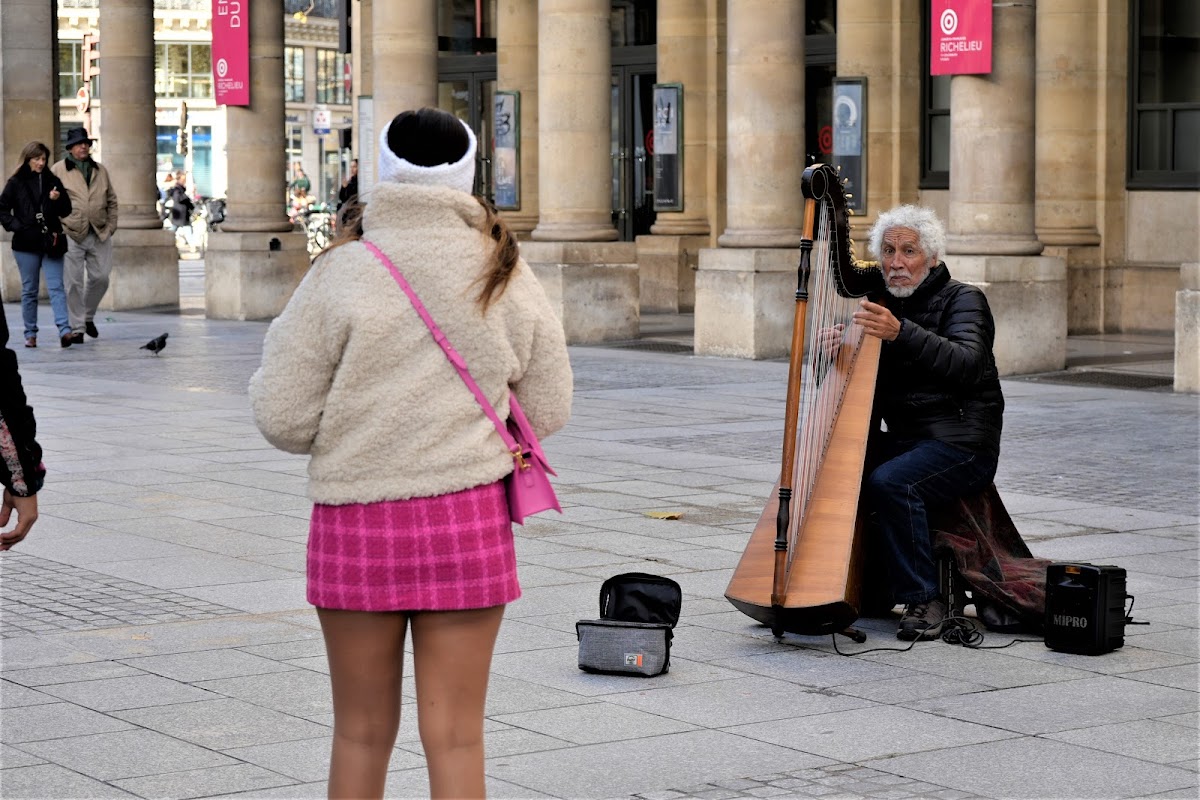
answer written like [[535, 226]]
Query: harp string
[[825, 373]]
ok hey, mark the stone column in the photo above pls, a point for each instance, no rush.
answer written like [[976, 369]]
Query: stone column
[[990, 236], [738, 312], [991, 144], [1068, 151], [1187, 329], [405, 67], [574, 111], [255, 262], [667, 260], [765, 113], [517, 70], [877, 39], [28, 102], [145, 260], [591, 279]]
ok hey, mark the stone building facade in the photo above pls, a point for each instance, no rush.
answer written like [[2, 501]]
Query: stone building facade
[[1068, 176]]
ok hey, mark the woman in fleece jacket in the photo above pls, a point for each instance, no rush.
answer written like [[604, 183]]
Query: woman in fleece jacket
[[410, 523]]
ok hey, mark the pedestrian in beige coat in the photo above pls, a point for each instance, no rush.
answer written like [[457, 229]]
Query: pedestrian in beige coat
[[90, 227]]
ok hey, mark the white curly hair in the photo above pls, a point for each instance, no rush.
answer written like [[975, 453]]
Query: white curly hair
[[930, 231]]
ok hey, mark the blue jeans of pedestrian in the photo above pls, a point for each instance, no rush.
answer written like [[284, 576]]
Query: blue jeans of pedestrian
[[32, 266], [911, 478]]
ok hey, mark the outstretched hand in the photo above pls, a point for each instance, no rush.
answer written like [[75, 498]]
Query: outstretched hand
[[27, 513], [877, 320]]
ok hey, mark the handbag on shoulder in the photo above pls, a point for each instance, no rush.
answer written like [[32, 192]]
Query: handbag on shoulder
[[528, 485]]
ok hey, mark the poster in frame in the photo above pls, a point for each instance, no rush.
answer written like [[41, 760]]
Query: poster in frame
[[506, 159], [849, 138], [668, 147]]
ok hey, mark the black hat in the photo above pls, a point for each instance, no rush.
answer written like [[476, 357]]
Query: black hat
[[77, 136]]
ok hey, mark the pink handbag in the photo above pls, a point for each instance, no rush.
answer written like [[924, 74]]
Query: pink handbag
[[528, 485]]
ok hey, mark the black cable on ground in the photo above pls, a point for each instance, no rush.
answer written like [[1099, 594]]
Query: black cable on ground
[[955, 630]]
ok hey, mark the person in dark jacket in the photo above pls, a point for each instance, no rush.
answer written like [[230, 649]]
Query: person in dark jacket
[[21, 469], [349, 190], [30, 207], [180, 204], [938, 394]]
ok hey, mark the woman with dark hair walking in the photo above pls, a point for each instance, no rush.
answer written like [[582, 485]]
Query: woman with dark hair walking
[[30, 207], [410, 528]]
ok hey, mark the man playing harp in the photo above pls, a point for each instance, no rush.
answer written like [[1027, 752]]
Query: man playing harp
[[939, 397]]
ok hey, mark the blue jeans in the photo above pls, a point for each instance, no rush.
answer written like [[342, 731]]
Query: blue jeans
[[911, 477], [31, 266]]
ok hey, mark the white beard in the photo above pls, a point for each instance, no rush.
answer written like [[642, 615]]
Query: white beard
[[901, 291]]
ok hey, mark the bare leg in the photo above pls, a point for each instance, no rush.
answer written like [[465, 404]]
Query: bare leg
[[366, 662], [453, 654]]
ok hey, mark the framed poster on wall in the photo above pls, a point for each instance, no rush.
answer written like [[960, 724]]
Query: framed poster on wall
[[849, 138], [668, 147], [506, 160]]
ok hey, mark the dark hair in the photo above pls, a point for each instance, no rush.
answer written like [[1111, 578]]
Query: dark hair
[[428, 137], [30, 152]]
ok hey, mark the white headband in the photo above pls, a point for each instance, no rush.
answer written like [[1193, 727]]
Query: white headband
[[459, 175]]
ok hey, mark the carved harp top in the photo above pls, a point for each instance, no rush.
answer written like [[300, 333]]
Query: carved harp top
[[852, 278]]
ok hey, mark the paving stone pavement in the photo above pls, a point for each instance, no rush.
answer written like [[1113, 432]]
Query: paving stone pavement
[[155, 641]]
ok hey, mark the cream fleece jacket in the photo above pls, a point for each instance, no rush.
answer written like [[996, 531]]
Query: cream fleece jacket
[[351, 375]]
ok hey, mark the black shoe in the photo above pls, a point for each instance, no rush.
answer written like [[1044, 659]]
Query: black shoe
[[922, 620], [76, 338], [65, 340], [90, 327]]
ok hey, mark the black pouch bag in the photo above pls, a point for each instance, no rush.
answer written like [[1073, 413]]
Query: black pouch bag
[[633, 635]]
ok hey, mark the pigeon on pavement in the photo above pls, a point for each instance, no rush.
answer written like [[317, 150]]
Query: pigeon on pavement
[[155, 345]]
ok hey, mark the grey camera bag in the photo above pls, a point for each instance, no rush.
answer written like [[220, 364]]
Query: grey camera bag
[[634, 632]]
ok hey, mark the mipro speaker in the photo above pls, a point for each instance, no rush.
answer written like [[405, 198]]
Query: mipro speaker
[[1085, 608]]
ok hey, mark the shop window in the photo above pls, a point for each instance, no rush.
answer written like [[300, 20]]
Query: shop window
[[1164, 95], [466, 27], [293, 74], [70, 68], [332, 81], [633, 22], [301, 10], [935, 118], [183, 70]]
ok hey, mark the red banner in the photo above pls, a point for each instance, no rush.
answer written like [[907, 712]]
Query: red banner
[[961, 37], [231, 51]]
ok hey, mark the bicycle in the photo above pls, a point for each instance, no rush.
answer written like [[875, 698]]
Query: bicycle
[[319, 226]]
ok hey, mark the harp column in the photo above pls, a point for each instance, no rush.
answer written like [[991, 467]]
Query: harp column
[[990, 238], [745, 289], [255, 262], [590, 278], [146, 263]]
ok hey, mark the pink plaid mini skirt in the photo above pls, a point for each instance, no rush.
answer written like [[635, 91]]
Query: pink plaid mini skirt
[[444, 553]]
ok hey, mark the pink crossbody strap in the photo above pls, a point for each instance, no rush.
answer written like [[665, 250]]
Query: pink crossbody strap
[[451, 354]]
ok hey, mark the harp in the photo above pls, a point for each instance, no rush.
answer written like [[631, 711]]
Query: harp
[[800, 572]]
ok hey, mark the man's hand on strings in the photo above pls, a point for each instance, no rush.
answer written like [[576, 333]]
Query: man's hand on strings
[[829, 340], [877, 320]]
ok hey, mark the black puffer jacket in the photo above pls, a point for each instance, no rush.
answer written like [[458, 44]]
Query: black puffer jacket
[[938, 379], [21, 469], [26, 193]]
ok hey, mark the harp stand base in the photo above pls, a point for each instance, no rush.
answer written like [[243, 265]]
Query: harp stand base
[[854, 634]]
